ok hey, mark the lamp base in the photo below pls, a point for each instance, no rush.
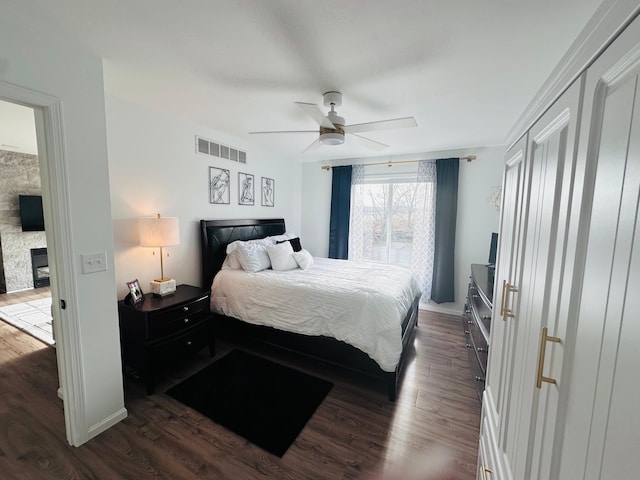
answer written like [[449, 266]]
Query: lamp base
[[164, 287]]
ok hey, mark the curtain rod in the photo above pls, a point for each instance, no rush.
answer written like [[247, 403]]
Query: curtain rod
[[468, 158]]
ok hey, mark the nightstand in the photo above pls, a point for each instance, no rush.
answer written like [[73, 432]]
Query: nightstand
[[162, 330]]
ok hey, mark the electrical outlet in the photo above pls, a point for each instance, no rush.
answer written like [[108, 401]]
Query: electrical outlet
[[94, 262]]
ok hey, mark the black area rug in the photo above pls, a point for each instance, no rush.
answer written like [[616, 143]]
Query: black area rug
[[266, 403]]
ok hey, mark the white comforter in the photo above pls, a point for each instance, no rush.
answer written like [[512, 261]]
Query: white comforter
[[362, 304]]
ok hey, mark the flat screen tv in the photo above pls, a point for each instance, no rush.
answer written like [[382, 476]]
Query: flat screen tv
[[31, 215], [493, 248]]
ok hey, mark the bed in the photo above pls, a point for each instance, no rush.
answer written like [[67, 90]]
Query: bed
[[216, 235]]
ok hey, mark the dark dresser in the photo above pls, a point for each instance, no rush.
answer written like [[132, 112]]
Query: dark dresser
[[162, 330], [476, 321]]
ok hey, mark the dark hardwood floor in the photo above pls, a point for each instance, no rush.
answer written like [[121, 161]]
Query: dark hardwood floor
[[355, 433]]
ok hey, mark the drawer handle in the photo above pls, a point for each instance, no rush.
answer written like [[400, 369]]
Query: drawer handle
[[186, 320], [482, 349], [470, 322], [486, 317], [543, 347], [185, 309], [478, 379], [469, 345], [466, 331]]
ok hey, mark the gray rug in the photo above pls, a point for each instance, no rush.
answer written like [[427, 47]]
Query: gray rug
[[32, 317]]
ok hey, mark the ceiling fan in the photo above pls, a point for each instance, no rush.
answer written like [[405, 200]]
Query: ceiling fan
[[333, 128]]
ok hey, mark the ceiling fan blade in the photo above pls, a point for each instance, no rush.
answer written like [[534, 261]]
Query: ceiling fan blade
[[313, 146], [286, 131], [367, 142], [314, 112], [406, 122]]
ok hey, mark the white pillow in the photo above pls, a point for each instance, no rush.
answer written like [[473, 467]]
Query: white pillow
[[284, 236], [253, 256], [233, 246], [303, 258], [281, 256], [232, 261]]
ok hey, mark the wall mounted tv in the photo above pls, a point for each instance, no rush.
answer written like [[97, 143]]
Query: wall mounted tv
[[31, 215]]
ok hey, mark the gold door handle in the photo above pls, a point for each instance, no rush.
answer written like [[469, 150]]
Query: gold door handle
[[485, 470], [504, 291], [507, 288], [543, 347]]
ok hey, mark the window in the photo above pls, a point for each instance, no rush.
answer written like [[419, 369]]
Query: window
[[392, 219]]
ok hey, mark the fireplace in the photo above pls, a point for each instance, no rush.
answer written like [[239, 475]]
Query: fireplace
[[40, 267]]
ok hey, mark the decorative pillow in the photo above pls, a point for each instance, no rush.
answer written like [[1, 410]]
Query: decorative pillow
[[283, 237], [303, 258], [232, 261], [233, 246], [253, 256], [295, 243], [281, 256]]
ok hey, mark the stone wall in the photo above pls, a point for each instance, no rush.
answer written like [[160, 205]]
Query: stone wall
[[19, 175]]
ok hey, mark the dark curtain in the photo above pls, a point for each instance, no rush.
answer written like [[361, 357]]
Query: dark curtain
[[446, 213], [340, 211]]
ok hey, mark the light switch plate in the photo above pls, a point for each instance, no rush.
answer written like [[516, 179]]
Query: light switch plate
[[94, 262]]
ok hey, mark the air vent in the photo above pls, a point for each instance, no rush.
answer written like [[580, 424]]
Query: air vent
[[214, 149]]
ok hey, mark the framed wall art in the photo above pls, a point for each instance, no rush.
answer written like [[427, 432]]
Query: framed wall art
[[219, 186], [268, 192], [246, 189]]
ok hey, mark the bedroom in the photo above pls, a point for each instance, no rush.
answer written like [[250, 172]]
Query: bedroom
[[137, 187]]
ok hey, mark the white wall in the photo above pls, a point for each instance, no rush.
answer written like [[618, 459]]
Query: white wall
[[33, 58], [477, 219], [153, 167], [316, 209]]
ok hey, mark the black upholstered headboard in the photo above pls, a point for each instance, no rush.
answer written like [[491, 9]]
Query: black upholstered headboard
[[215, 235]]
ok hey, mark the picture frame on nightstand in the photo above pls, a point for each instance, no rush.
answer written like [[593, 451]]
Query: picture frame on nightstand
[[135, 295]]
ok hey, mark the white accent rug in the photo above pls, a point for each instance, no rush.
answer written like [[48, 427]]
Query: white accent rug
[[33, 318]]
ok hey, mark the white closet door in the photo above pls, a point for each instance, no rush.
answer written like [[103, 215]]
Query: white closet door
[[500, 373], [602, 432], [532, 410]]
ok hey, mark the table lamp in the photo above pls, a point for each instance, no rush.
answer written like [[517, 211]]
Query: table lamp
[[160, 232]]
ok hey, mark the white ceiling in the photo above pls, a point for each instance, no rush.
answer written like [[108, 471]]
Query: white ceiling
[[466, 70]]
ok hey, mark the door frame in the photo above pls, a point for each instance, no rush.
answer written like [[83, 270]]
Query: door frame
[[52, 158]]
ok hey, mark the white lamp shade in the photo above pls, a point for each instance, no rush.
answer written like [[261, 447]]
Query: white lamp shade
[[159, 231]]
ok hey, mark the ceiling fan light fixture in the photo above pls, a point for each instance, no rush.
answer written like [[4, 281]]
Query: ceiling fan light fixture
[[332, 138]]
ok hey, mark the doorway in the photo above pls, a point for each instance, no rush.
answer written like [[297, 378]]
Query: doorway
[[23, 246], [53, 172]]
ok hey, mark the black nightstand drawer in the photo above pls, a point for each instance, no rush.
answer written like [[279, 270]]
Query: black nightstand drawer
[[166, 353], [173, 320]]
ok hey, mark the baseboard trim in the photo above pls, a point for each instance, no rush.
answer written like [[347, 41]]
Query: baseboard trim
[[451, 309], [107, 423]]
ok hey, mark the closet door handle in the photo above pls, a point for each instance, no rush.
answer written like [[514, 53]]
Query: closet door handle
[[507, 288], [504, 291], [485, 470], [543, 347]]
